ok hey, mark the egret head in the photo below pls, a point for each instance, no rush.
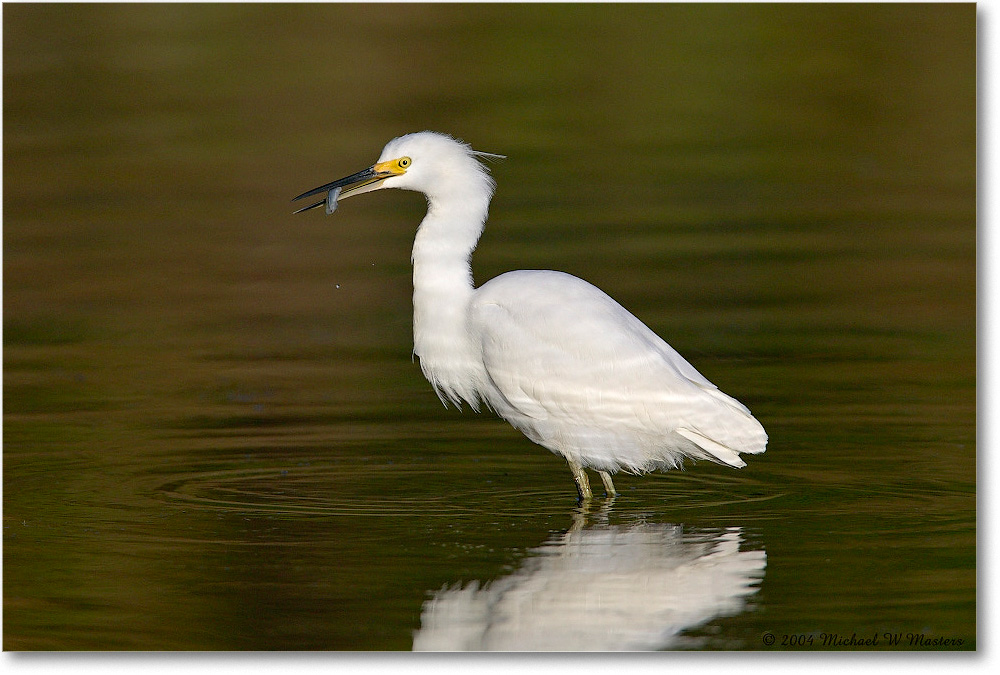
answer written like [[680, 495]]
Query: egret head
[[429, 162]]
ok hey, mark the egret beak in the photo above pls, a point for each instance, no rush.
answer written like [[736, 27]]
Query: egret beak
[[357, 183]]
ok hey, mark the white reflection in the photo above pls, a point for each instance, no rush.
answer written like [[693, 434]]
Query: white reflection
[[604, 588]]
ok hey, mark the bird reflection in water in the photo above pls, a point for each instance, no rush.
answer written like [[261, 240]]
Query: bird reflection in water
[[599, 588]]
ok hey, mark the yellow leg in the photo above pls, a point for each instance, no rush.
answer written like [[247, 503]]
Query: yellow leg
[[609, 487], [582, 482]]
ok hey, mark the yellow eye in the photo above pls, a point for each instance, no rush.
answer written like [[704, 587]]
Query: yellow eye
[[403, 162]]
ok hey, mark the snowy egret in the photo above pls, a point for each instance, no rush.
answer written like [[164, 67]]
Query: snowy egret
[[548, 352]]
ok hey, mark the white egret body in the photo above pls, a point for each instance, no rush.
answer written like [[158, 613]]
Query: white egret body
[[550, 353]]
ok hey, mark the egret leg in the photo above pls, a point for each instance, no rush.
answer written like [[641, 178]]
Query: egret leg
[[609, 487], [582, 482]]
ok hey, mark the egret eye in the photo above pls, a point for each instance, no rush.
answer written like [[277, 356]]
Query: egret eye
[[404, 162]]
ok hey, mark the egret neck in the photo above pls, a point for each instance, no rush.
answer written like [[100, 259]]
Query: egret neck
[[442, 289]]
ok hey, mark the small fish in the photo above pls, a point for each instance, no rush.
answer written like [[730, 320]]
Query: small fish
[[331, 200]]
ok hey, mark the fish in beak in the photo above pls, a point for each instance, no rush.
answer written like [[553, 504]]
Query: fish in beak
[[357, 183]]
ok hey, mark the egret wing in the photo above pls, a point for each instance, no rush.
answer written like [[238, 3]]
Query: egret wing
[[558, 348]]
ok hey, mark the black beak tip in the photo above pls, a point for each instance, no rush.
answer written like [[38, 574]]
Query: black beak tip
[[364, 175], [311, 206]]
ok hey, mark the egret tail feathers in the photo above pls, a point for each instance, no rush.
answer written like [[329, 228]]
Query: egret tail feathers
[[717, 450]]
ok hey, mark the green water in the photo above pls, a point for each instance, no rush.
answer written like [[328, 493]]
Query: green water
[[214, 436]]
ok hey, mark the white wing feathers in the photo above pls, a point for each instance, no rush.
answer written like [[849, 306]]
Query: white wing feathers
[[723, 454], [566, 357]]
